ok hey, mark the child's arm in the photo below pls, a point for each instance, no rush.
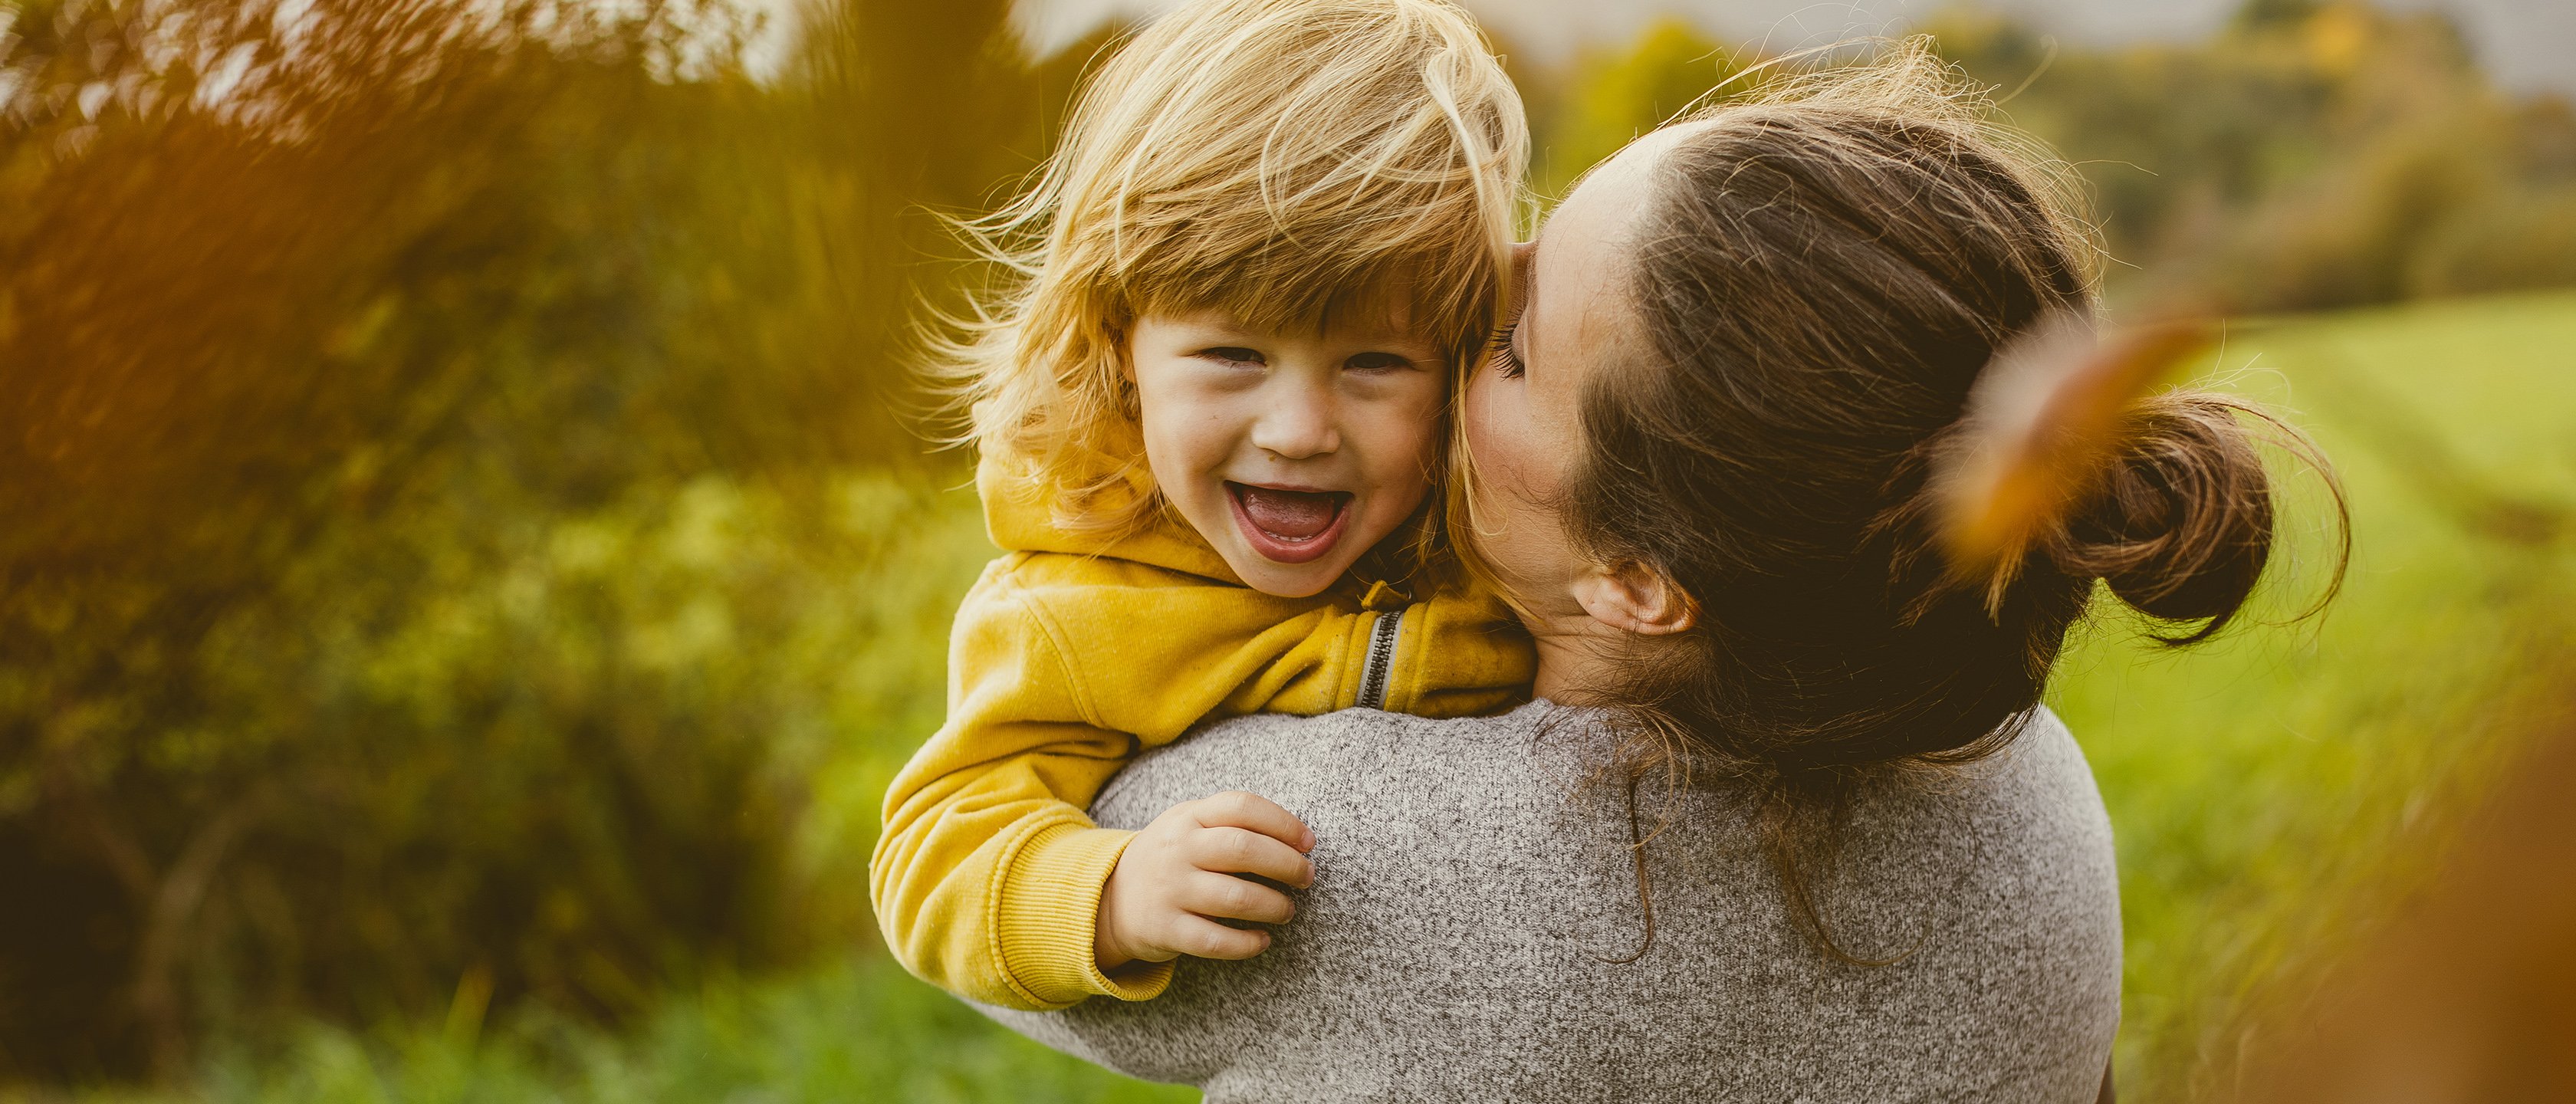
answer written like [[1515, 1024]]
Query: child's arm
[[988, 878], [993, 801]]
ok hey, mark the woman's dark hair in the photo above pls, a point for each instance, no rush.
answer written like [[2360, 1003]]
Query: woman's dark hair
[[1821, 276]]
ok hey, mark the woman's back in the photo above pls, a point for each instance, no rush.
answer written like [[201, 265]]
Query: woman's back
[[1475, 906]]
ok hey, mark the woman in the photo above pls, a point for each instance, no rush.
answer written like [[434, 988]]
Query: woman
[[1787, 821]]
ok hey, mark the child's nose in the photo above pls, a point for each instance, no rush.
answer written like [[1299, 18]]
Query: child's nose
[[1297, 425]]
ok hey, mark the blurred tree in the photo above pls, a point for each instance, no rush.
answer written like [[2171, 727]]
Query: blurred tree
[[1611, 98], [424, 428], [2315, 153]]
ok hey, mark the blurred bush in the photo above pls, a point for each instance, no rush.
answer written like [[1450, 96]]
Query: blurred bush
[[2312, 155], [434, 439]]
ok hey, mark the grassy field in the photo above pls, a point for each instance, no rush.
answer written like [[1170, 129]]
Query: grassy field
[[2268, 791], [2273, 789]]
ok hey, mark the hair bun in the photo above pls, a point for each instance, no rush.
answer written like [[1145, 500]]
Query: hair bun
[[2180, 522]]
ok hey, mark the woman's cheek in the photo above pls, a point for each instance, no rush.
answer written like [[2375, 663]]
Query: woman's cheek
[[1516, 475], [1491, 431]]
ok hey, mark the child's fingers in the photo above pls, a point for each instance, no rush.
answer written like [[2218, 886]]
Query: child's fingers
[[1241, 851], [1198, 935], [1253, 812], [1228, 897]]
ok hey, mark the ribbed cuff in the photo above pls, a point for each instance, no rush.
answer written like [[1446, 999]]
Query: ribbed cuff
[[1047, 919]]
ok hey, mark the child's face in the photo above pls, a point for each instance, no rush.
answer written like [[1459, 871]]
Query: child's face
[[1292, 453]]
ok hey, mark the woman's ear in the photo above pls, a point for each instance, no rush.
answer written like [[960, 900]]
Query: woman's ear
[[1635, 598]]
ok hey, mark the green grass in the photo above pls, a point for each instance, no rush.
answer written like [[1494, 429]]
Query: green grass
[[2272, 791], [855, 1031], [2268, 790]]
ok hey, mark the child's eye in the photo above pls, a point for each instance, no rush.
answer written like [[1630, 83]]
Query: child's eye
[[1377, 362], [1232, 355], [1506, 357]]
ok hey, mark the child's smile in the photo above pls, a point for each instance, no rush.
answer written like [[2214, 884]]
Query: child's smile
[[1290, 524], [1292, 453]]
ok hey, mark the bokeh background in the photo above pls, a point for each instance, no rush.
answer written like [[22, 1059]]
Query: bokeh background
[[469, 565]]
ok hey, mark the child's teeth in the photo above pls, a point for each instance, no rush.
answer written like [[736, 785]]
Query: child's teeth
[[1291, 515]]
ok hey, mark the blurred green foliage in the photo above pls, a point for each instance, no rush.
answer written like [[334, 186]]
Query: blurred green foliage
[[459, 504], [468, 557]]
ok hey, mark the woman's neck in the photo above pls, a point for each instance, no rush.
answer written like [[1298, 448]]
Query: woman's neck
[[1577, 656]]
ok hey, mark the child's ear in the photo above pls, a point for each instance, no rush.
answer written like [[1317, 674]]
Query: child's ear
[[1635, 598]]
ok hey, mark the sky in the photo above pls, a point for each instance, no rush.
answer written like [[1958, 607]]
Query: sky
[[2528, 44]]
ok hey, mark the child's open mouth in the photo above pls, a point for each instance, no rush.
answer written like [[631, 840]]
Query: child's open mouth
[[1289, 526]]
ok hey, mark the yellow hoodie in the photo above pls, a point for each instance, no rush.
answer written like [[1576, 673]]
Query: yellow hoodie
[[1072, 654]]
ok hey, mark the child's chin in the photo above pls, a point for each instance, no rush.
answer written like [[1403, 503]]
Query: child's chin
[[1281, 580]]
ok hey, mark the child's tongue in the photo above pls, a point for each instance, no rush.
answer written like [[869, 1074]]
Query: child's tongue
[[1290, 515]]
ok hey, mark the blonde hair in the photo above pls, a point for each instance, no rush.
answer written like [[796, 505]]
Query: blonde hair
[[1272, 159]]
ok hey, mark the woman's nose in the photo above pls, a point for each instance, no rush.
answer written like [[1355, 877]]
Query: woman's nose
[[1295, 424]]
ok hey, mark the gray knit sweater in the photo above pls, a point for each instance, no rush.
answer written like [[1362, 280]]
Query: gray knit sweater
[[1474, 896]]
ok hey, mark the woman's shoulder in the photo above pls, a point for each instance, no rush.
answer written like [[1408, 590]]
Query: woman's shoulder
[[2016, 844], [1327, 757], [1479, 898], [2035, 798], [2047, 775], [2038, 791], [2041, 768]]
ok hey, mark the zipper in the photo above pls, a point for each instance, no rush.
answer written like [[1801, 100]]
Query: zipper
[[1381, 659]]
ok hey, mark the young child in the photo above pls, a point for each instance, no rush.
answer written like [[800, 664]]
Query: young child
[[1211, 417]]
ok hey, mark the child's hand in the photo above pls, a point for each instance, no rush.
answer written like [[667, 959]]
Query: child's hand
[[1180, 871]]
